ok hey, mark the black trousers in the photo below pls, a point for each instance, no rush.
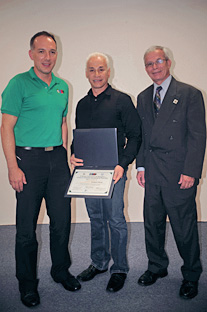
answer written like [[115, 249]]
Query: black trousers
[[180, 206], [47, 175]]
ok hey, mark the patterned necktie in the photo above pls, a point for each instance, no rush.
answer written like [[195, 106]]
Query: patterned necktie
[[157, 100]]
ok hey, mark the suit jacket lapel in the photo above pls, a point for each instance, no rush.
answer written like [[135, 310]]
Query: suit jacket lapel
[[170, 101]]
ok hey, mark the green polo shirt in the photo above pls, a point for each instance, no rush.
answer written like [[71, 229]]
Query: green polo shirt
[[39, 108]]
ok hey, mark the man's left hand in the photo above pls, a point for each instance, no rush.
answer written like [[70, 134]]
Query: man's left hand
[[186, 182], [118, 173]]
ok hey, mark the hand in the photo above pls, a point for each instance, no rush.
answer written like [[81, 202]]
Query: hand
[[186, 182], [141, 178], [76, 161], [118, 173], [17, 179]]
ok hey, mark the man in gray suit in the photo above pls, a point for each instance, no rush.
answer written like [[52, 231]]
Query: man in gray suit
[[169, 166]]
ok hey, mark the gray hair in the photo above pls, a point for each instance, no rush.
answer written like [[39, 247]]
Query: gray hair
[[154, 48], [96, 54]]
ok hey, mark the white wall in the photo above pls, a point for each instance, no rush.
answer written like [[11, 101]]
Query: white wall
[[123, 29]]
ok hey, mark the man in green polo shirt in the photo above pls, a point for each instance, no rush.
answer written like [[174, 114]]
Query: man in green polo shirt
[[34, 139]]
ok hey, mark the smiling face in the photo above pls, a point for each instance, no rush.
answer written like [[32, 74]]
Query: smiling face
[[44, 55], [157, 72], [98, 74]]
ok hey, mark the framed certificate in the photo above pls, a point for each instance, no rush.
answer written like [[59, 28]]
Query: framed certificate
[[98, 149]]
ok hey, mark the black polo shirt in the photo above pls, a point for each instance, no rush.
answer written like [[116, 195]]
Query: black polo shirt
[[112, 109]]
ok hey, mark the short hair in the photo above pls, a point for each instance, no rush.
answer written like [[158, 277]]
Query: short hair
[[154, 48], [41, 33], [96, 54]]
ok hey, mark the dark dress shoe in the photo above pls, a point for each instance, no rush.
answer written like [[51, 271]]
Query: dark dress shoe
[[116, 282], [188, 290], [89, 273], [71, 283], [149, 278], [30, 298]]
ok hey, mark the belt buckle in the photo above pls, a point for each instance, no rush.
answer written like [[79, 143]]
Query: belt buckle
[[49, 148]]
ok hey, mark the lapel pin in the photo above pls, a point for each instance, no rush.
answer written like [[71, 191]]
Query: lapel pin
[[175, 101]]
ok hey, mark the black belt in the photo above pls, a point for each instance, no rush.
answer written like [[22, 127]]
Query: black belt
[[45, 149]]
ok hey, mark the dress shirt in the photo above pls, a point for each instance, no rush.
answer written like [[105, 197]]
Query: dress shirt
[[164, 86]]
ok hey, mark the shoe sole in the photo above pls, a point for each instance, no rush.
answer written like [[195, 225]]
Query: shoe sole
[[187, 298], [69, 288], [30, 305], [111, 290]]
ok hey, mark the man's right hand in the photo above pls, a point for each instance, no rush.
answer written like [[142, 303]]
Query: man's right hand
[[141, 178], [17, 179], [76, 161]]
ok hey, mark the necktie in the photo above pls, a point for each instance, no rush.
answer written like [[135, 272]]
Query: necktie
[[157, 100]]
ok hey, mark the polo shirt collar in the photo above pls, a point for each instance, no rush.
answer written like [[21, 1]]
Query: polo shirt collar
[[107, 92], [34, 76]]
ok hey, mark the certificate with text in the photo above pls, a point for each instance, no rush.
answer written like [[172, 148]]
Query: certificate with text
[[91, 183]]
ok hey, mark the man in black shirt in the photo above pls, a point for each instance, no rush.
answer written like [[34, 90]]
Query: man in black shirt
[[104, 107]]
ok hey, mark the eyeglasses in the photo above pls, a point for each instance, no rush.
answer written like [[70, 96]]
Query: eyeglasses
[[157, 62]]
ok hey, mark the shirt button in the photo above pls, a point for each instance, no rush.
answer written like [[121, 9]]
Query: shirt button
[[171, 138]]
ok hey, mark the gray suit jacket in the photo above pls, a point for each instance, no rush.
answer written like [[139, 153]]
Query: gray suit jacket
[[174, 142]]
